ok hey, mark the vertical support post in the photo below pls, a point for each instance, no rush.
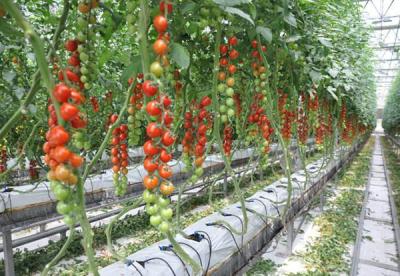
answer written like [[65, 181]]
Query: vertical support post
[[8, 252], [225, 184], [261, 173], [321, 201], [63, 235], [290, 234], [42, 227]]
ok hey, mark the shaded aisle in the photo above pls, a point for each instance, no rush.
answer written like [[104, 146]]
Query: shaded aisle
[[376, 250]]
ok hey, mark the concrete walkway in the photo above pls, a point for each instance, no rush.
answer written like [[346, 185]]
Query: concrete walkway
[[376, 250]]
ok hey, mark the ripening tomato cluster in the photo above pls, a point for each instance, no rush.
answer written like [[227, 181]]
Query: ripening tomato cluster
[[302, 121], [228, 68], [135, 111], [157, 147], [86, 35], [228, 140], [319, 131], [257, 116], [3, 160], [33, 170], [119, 156], [95, 104], [197, 122]]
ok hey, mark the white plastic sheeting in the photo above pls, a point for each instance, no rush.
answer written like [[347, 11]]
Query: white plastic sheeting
[[223, 244]]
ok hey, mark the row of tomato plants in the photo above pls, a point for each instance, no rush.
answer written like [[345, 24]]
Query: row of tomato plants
[[259, 92]]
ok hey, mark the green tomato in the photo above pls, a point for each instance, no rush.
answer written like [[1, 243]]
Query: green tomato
[[263, 76], [164, 227], [224, 118], [81, 37], [204, 12], [163, 202], [193, 178], [156, 69], [82, 23], [230, 92], [84, 57], [84, 70], [149, 197], [155, 220], [221, 87], [263, 84], [199, 171], [230, 102], [54, 185], [68, 220], [84, 78], [88, 85], [167, 213], [61, 193], [63, 208], [231, 112], [222, 108], [151, 209]]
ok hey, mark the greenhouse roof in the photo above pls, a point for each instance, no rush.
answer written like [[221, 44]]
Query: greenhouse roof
[[384, 18]]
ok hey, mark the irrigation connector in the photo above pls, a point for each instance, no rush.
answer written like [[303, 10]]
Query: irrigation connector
[[132, 263], [170, 248], [198, 236], [143, 263]]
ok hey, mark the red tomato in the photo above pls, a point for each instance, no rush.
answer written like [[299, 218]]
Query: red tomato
[[57, 136], [160, 47], [150, 149], [150, 182], [71, 45], [149, 165], [61, 154], [199, 150], [223, 62], [167, 139], [153, 130], [149, 89], [162, 7], [233, 41], [167, 101], [72, 76], [202, 130], [153, 108], [233, 54], [223, 49], [74, 61], [202, 140], [75, 160], [78, 122], [113, 118], [61, 92], [254, 44], [165, 156], [232, 69], [68, 111], [168, 119], [205, 101], [77, 97], [165, 171], [160, 23]]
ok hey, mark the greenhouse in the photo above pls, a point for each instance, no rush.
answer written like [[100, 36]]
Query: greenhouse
[[199, 137]]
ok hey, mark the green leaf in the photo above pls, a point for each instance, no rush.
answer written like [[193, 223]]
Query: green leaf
[[265, 32], [132, 69], [332, 90], [253, 11], [240, 13], [230, 3], [9, 76], [8, 29], [315, 76], [180, 55], [292, 38], [188, 7], [290, 19], [324, 41]]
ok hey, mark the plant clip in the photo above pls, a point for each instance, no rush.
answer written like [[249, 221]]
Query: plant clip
[[226, 214], [196, 237], [211, 224], [166, 247]]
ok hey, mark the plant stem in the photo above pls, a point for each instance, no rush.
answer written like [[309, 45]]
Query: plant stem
[[108, 230], [185, 257], [36, 76], [60, 254]]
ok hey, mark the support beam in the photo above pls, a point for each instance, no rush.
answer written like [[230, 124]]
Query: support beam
[[8, 252], [387, 27]]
